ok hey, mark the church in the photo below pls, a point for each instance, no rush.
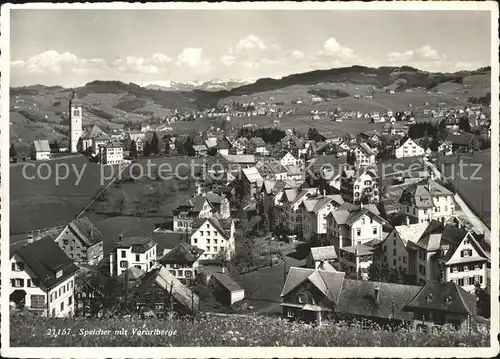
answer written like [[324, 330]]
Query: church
[[75, 122]]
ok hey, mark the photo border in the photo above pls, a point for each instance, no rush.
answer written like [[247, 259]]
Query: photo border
[[251, 352]]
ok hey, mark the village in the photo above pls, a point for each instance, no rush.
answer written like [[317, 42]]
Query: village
[[313, 227]]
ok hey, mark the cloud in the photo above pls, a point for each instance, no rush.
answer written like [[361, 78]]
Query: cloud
[[423, 54], [249, 43], [139, 65], [332, 49], [193, 58], [55, 63]]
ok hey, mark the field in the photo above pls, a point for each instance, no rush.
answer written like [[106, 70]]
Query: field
[[38, 203], [475, 187], [231, 330]]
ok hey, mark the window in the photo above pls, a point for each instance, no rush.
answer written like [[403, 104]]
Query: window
[[446, 208], [460, 282], [425, 211], [301, 298], [478, 266], [208, 240], [394, 252], [201, 233], [466, 253], [17, 283], [60, 291], [18, 266], [180, 273], [215, 249], [374, 230], [394, 262], [466, 268], [290, 312], [123, 264], [215, 234], [358, 232], [404, 259], [208, 249], [53, 312], [413, 210], [62, 306], [385, 249], [195, 240], [454, 269], [394, 242], [28, 282], [362, 221], [138, 257], [208, 226], [466, 280], [478, 279], [421, 269], [124, 254], [71, 284], [37, 301], [70, 300]]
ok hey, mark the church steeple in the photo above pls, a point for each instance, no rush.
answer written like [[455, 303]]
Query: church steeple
[[75, 121]]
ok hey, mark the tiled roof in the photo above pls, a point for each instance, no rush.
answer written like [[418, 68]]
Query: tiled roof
[[252, 175], [183, 253], [367, 149], [84, 229], [358, 298], [94, 132], [445, 297], [323, 253], [138, 244], [329, 283], [167, 239], [45, 258], [227, 282], [421, 194], [461, 140]]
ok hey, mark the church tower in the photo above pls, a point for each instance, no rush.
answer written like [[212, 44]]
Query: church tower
[[75, 122]]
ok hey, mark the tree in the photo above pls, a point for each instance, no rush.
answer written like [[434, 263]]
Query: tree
[[133, 150], [155, 144], [483, 303], [147, 149], [12, 151], [464, 124], [379, 272]]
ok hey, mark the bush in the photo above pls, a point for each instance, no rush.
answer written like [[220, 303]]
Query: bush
[[210, 330]]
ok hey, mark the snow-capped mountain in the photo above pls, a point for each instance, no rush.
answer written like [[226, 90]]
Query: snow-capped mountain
[[212, 85]]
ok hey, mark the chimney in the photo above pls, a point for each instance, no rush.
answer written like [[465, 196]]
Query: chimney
[[407, 220], [120, 237], [361, 205], [324, 192], [376, 292]]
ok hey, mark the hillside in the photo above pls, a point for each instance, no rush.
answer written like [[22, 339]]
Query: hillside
[[214, 331], [112, 104]]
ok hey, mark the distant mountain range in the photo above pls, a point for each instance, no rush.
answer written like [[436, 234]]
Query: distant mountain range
[[212, 85]]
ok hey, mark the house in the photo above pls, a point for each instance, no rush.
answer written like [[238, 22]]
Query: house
[[289, 160], [445, 149], [440, 303], [139, 138], [272, 170], [399, 129], [40, 150], [195, 207], [321, 257], [427, 200], [42, 278], [314, 216], [81, 241], [365, 155], [182, 261], [292, 210], [200, 150], [357, 259], [463, 142], [93, 138], [252, 181], [375, 302], [139, 252], [257, 146], [214, 236], [310, 294], [160, 292], [351, 225], [363, 188], [330, 138], [111, 153], [409, 149], [237, 162], [225, 290]]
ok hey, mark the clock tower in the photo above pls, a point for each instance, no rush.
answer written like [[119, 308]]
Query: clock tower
[[75, 122]]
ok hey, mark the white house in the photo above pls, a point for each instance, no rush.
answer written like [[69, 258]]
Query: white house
[[365, 155], [353, 189], [445, 149], [314, 216], [182, 261], [288, 160], [214, 236], [292, 210], [40, 150], [321, 257], [427, 200], [111, 153], [42, 278], [139, 252], [409, 149]]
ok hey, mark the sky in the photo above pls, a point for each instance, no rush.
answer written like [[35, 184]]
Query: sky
[[73, 47]]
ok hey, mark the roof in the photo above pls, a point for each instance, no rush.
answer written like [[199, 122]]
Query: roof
[[248, 159], [430, 240], [227, 282], [461, 140], [258, 141], [75, 100], [95, 132], [45, 258], [133, 273], [200, 148], [183, 253], [341, 214], [323, 253], [222, 225], [163, 278], [167, 239], [421, 194], [358, 298], [113, 144], [362, 249], [211, 142], [303, 194], [84, 229], [411, 232], [41, 145], [252, 175], [138, 244], [367, 149], [329, 283], [357, 214], [446, 297]]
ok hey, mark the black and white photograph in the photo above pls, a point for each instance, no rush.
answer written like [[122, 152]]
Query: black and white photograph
[[250, 180]]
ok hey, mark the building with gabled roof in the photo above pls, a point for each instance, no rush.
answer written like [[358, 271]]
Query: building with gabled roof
[[427, 200], [42, 278], [225, 290], [252, 181], [358, 188], [40, 150], [214, 236], [439, 303], [82, 241], [365, 155], [309, 294], [161, 292], [314, 213], [93, 137], [111, 153], [319, 256], [182, 261], [139, 252]]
